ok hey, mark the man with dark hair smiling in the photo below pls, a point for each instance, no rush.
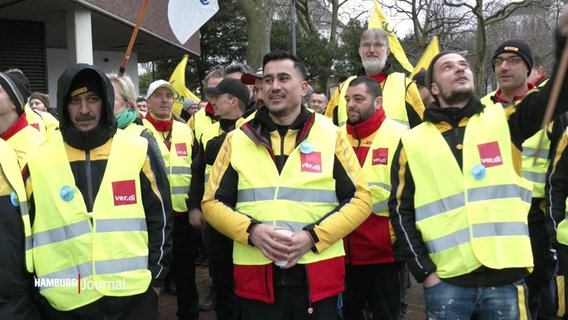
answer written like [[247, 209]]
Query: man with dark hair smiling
[[286, 187]]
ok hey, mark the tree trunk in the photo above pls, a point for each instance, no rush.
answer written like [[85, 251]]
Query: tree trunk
[[258, 14]]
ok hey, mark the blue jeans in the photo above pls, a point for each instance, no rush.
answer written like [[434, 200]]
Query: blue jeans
[[448, 301]]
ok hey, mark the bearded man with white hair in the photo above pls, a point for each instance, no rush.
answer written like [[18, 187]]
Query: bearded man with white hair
[[401, 99]]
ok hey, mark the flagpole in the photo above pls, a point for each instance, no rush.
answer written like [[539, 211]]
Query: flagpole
[[132, 39]]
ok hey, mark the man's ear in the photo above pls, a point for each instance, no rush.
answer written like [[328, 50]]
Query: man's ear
[[434, 90], [378, 102]]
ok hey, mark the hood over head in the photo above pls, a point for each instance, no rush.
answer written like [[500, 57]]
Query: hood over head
[[76, 79]]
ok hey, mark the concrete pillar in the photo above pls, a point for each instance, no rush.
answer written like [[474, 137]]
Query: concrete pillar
[[79, 36]]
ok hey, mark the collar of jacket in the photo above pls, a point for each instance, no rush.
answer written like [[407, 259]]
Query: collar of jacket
[[436, 114]]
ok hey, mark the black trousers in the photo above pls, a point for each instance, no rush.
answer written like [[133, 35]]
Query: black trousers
[[183, 266], [544, 266], [142, 306], [220, 251], [291, 303], [20, 307], [562, 251], [376, 286]]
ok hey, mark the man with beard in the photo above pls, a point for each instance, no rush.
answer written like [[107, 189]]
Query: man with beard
[[459, 202], [372, 271], [402, 101]]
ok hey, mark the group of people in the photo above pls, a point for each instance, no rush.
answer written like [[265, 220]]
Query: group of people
[[307, 212]]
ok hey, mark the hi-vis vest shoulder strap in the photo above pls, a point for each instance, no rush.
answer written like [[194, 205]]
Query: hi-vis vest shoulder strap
[[177, 161], [202, 121], [11, 170], [135, 129], [24, 142], [475, 216], [211, 132], [533, 171], [378, 164], [394, 99], [301, 194], [81, 256]]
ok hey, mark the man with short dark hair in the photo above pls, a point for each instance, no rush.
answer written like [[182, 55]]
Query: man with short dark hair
[[286, 187], [459, 203], [512, 63], [318, 101], [374, 261]]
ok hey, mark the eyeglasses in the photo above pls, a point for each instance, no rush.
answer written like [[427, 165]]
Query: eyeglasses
[[512, 60], [377, 45]]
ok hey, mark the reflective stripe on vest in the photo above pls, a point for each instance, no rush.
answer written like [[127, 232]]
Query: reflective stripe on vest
[[71, 243], [460, 216], [294, 198], [536, 171], [394, 99], [11, 169], [177, 161]]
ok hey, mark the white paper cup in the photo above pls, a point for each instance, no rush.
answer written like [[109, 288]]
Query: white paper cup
[[288, 233]]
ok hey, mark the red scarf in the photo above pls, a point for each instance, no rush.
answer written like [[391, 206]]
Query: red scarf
[[500, 99], [380, 77], [15, 128], [162, 126]]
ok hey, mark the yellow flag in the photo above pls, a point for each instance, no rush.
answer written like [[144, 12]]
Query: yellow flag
[[431, 51], [379, 21], [177, 79]]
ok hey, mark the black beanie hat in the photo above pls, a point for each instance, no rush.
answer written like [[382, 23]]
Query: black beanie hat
[[13, 84], [85, 82], [518, 47]]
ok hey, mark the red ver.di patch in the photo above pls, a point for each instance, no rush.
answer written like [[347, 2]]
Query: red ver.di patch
[[124, 192], [311, 162], [490, 154], [181, 149], [380, 156]]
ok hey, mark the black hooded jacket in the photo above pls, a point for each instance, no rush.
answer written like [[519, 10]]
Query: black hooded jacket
[[88, 154]]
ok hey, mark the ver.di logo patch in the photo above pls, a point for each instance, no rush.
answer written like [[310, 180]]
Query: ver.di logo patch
[[124, 192], [181, 149], [380, 156], [490, 154], [311, 162]]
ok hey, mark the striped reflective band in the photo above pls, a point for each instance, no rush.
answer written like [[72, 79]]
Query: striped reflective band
[[499, 192], [434, 208], [381, 206], [530, 153], [121, 225], [60, 234], [535, 176], [292, 194], [477, 194], [179, 170], [121, 265], [498, 229], [101, 267], [180, 190]]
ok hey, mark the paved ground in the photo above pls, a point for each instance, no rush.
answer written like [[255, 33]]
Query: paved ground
[[168, 302]]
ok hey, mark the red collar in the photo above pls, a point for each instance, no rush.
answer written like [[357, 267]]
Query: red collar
[[160, 125], [20, 124], [367, 127], [380, 77], [499, 98]]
